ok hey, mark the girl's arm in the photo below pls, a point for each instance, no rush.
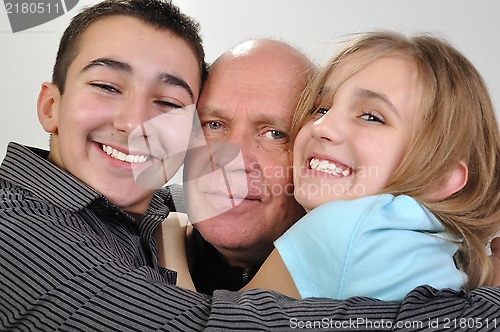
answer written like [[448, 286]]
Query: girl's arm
[[171, 240], [274, 275]]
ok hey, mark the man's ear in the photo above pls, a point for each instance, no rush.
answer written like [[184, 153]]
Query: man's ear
[[48, 102], [454, 183]]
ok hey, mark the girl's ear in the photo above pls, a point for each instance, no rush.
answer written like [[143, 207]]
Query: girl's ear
[[47, 105], [454, 183]]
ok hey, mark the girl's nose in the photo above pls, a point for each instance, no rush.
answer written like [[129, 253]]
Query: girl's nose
[[329, 128]]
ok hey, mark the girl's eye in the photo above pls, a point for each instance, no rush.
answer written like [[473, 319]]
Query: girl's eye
[[323, 110], [318, 111], [372, 117], [105, 87]]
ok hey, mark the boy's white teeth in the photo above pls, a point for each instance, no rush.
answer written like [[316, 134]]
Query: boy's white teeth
[[328, 167], [136, 159]]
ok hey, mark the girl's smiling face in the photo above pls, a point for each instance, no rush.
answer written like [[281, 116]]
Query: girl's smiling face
[[361, 128]]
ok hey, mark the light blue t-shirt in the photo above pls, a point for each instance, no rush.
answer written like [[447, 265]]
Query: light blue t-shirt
[[378, 246]]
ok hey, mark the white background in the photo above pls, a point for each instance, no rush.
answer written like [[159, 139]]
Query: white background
[[313, 25]]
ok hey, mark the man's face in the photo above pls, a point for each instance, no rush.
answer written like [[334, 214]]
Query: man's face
[[125, 74], [245, 199]]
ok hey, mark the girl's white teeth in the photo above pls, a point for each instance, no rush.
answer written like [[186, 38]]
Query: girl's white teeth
[[124, 157], [328, 167]]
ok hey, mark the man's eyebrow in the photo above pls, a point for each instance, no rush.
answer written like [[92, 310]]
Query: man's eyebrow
[[211, 112], [177, 81], [368, 94], [215, 113], [107, 62], [273, 121]]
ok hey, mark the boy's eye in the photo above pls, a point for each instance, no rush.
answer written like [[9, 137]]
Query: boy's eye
[[167, 104], [105, 87]]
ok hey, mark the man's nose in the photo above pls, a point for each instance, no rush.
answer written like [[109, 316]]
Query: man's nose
[[227, 155], [237, 152]]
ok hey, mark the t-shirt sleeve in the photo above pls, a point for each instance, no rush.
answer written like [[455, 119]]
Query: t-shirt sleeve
[[378, 246]]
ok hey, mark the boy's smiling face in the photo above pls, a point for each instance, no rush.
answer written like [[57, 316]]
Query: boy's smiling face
[[125, 73]]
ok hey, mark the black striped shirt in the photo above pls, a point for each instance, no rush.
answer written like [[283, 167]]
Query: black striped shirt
[[71, 261]]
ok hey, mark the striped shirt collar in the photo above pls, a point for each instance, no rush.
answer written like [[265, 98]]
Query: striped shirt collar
[[29, 168]]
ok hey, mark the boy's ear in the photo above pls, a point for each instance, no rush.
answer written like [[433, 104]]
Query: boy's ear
[[454, 183], [48, 102]]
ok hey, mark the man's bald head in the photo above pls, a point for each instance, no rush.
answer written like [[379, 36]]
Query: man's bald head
[[248, 101]]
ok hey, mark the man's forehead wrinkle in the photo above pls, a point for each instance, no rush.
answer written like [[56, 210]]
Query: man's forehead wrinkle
[[258, 89], [258, 79]]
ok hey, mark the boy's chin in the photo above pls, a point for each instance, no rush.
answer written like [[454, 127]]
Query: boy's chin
[[156, 174]]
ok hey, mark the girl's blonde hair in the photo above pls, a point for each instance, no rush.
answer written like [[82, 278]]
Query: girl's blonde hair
[[457, 124]]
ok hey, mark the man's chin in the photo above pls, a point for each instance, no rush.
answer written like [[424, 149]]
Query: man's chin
[[225, 227], [221, 209], [226, 238]]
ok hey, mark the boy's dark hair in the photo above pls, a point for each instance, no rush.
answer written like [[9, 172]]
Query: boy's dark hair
[[161, 14]]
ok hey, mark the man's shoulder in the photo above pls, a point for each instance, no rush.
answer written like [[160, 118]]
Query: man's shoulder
[[446, 308], [488, 294]]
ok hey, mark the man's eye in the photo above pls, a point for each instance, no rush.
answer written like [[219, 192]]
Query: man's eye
[[213, 125], [275, 134], [105, 87]]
